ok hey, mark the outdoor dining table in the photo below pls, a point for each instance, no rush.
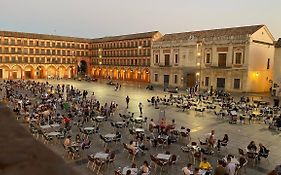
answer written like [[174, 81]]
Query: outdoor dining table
[[89, 128], [101, 155], [55, 125], [165, 137], [139, 130], [53, 133], [110, 136], [139, 119], [134, 171], [120, 124], [165, 157], [45, 126]]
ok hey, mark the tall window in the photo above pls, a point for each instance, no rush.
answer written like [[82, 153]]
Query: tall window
[[222, 59], [176, 79], [207, 81], [208, 58], [268, 64], [176, 58], [156, 59], [236, 84], [167, 60], [156, 77], [238, 58]]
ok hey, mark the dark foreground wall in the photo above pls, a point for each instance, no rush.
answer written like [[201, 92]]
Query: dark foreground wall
[[21, 154]]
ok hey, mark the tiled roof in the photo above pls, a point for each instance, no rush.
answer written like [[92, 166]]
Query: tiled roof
[[278, 43], [125, 37], [42, 36], [233, 31]]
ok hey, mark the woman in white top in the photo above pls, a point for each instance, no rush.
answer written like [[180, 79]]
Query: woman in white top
[[187, 169]]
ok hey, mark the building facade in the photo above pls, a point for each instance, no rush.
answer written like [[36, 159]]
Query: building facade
[[125, 57], [235, 59], [277, 63], [33, 56]]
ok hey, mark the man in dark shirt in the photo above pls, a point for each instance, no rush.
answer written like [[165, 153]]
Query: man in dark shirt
[[220, 170]]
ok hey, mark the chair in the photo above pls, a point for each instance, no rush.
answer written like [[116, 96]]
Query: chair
[[161, 164], [90, 160], [98, 163], [153, 160], [252, 156], [174, 159], [241, 152], [111, 159]]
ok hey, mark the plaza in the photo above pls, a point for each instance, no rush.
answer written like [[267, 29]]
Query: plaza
[[200, 124]]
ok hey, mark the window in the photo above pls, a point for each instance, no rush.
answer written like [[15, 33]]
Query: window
[[167, 60], [13, 59], [156, 59], [6, 59], [176, 58], [19, 59], [207, 81], [222, 59], [238, 58], [1, 59], [236, 83], [156, 77], [26, 59], [19, 50], [176, 79], [31, 51], [31, 60], [37, 59], [268, 64], [208, 58]]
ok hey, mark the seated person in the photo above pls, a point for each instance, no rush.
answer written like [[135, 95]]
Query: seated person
[[172, 125], [263, 151], [132, 147], [163, 124], [144, 169], [223, 141], [67, 142], [252, 147], [204, 165], [78, 138], [187, 169]]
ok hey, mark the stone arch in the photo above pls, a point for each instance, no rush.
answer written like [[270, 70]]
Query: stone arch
[[145, 75], [16, 72], [51, 71], [62, 71], [29, 72], [4, 71], [40, 71], [82, 67]]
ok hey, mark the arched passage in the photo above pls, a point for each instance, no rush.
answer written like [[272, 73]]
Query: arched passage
[[51, 72], [62, 73], [16, 72], [82, 67], [145, 75], [29, 72], [4, 71], [40, 72]]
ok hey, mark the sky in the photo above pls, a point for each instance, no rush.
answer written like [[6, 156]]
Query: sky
[[99, 18]]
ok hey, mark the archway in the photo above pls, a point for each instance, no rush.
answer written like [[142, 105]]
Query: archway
[[70, 71], [16, 72], [62, 72], [40, 72], [145, 75], [51, 72], [115, 73], [29, 72], [82, 67], [4, 71]]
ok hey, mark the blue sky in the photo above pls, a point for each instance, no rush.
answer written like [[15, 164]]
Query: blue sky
[[99, 18]]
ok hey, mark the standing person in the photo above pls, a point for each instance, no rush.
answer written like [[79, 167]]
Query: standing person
[[127, 101], [230, 167], [187, 169], [140, 107]]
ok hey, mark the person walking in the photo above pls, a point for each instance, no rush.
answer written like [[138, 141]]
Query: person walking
[[140, 107], [127, 101]]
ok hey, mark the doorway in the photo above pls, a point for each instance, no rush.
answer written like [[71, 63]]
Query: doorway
[[190, 80], [220, 83], [166, 81]]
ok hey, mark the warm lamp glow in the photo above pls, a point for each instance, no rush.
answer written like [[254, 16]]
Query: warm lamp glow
[[197, 74], [198, 64], [100, 62], [199, 54], [257, 74]]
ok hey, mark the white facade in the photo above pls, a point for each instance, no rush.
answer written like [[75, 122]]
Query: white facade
[[236, 63]]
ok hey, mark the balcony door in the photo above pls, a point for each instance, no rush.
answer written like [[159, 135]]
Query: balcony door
[[220, 83], [167, 60], [222, 60]]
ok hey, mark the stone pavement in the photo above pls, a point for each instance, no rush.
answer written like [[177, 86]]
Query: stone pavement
[[240, 135]]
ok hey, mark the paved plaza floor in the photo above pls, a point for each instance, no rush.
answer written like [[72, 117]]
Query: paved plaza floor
[[200, 124]]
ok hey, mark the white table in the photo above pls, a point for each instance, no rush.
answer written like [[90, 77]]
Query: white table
[[165, 137], [89, 128], [233, 113], [164, 156], [101, 155], [45, 126], [139, 130], [139, 119], [55, 125], [53, 134], [134, 171], [120, 123], [110, 136]]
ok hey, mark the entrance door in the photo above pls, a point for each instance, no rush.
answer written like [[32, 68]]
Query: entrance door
[[191, 81], [14, 75], [222, 60], [27, 74], [220, 83], [166, 81]]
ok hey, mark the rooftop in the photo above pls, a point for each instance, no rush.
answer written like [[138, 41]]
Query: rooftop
[[233, 31], [278, 43], [125, 37]]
